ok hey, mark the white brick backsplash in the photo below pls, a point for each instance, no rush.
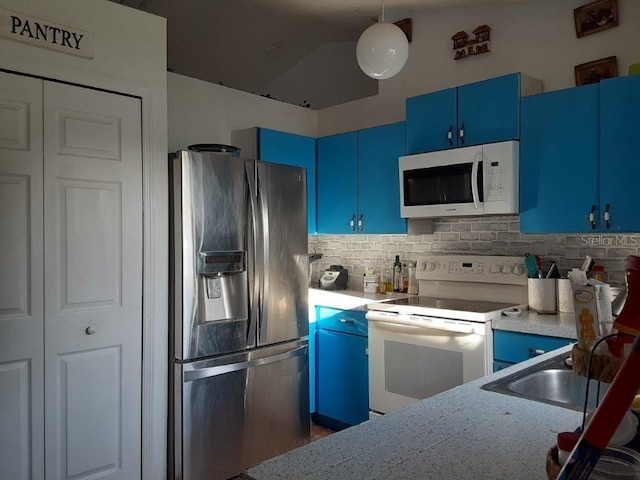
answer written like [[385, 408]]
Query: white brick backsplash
[[472, 235]]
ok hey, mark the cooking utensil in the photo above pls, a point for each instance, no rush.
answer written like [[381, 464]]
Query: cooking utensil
[[531, 264]]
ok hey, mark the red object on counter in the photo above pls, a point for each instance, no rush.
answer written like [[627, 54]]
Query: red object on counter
[[606, 419], [629, 319], [621, 393]]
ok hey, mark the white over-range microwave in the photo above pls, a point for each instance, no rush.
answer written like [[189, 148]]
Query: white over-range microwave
[[478, 180]]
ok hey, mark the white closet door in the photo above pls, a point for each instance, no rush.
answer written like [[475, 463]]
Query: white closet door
[[21, 283], [93, 283]]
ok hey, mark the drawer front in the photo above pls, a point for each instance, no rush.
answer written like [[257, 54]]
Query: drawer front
[[345, 321], [517, 347]]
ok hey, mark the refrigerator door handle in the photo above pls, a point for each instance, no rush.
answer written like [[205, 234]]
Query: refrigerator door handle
[[207, 372], [254, 288], [264, 266]]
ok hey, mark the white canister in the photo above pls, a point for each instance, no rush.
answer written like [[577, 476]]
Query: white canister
[[370, 283], [565, 295], [542, 295]]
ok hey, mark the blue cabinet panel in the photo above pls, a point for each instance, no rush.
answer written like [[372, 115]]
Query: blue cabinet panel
[[342, 377], [296, 150], [514, 347], [578, 155], [312, 367], [430, 118], [489, 111], [358, 181], [485, 112], [337, 172], [559, 160], [353, 322], [619, 165], [378, 179]]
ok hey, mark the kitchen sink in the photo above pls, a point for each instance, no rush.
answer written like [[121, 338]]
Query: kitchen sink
[[552, 382]]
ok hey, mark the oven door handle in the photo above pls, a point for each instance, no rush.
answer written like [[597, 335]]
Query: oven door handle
[[424, 322]]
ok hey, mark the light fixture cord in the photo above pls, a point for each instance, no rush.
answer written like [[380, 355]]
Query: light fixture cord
[[382, 17]]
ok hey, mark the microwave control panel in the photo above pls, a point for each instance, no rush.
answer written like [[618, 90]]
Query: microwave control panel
[[500, 171], [494, 184]]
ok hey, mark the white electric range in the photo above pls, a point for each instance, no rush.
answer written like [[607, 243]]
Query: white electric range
[[420, 346]]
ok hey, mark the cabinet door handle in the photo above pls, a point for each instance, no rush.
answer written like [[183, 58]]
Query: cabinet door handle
[[461, 134], [607, 215], [360, 223], [536, 351], [352, 222], [347, 320], [450, 135], [592, 217]]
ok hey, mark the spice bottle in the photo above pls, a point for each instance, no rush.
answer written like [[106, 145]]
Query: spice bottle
[[597, 273], [412, 288], [404, 279], [397, 271]]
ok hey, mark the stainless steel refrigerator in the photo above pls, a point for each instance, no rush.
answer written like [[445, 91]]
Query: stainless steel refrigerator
[[239, 319]]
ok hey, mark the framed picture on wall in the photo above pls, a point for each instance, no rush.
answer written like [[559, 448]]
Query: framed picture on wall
[[595, 17], [593, 72]]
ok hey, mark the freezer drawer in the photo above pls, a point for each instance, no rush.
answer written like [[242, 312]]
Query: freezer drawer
[[238, 410]]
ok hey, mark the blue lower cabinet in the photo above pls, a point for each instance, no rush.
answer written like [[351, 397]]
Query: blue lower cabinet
[[342, 380], [515, 347], [312, 367]]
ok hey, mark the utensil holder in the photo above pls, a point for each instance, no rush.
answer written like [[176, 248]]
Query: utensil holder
[[542, 295]]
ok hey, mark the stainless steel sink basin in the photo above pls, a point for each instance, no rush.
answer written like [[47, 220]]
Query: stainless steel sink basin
[[550, 382]]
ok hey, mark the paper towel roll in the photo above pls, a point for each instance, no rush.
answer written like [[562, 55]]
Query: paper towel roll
[[565, 295], [542, 294]]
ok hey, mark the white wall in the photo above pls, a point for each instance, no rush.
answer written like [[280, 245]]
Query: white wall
[[130, 57], [328, 76], [538, 39], [202, 112]]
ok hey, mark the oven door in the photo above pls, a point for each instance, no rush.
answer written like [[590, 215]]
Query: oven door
[[442, 183], [414, 357]]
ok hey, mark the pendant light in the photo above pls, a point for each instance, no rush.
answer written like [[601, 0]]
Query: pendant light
[[382, 49]]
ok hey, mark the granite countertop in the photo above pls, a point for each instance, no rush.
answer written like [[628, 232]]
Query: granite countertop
[[463, 433]]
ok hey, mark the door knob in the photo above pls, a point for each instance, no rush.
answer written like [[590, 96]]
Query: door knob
[[90, 331]]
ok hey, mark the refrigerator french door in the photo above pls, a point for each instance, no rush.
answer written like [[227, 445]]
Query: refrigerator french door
[[240, 383]]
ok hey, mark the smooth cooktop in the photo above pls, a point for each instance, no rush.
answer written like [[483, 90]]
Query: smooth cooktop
[[414, 304]]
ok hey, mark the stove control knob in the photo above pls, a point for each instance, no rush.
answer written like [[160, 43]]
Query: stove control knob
[[506, 269], [422, 266], [431, 266], [496, 269], [518, 269]]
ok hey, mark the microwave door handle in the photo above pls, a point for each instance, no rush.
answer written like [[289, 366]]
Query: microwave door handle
[[474, 180]]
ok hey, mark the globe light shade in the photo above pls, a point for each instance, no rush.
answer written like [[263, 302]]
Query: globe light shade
[[382, 50]]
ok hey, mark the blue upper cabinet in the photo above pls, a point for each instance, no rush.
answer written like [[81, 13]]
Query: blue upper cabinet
[[578, 159], [378, 183], [337, 183], [432, 121], [619, 165], [286, 148], [358, 185], [559, 160], [473, 114]]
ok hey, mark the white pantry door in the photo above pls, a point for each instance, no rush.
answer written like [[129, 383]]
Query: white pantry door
[[21, 282], [93, 283]]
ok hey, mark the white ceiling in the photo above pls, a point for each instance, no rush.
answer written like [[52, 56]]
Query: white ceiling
[[245, 44]]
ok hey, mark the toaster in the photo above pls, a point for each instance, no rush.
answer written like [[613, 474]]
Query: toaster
[[334, 278]]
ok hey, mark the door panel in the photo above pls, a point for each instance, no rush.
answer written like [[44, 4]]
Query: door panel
[[93, 264], [91, 389], [337, 182], [284, 280], [378, 179], [430, 118], [21, 278]]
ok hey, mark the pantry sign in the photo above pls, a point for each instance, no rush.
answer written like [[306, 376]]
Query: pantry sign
[[45, 34]]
